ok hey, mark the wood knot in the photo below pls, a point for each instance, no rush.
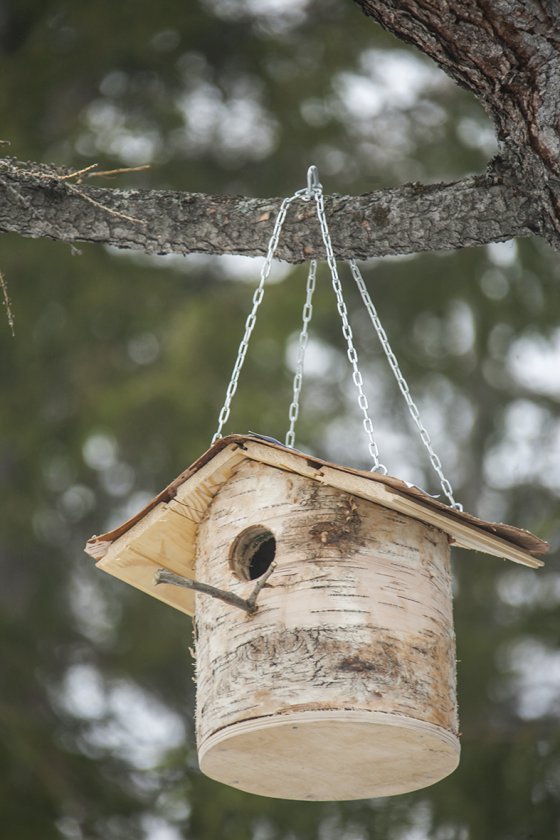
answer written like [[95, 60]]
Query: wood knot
[[344, 527]]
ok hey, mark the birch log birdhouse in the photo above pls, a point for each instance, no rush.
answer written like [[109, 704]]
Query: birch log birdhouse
[[336, 679]]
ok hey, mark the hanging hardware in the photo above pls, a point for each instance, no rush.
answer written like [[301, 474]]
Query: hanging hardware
[[314, 192], [347, 331], [313, 183], [402, 383], [250, 322], [303, 339]]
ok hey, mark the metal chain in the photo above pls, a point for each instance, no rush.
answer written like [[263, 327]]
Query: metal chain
[[403, 385], [250, 322], [303, 339], [314, 191], [347, 330]]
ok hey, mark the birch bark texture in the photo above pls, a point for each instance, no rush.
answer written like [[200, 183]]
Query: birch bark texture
[[342, 685]]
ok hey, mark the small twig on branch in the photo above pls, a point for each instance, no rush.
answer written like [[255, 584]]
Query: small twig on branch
[[77, 173], [124, 170], [49, 174], [7, 303], [249, 605], [77, 191]]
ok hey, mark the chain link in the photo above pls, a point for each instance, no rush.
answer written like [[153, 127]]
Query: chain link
[[250, 322], [303, 339], [403, 385], [347, 331]]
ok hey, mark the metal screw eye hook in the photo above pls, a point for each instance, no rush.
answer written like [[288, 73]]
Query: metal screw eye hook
[[313, 184]]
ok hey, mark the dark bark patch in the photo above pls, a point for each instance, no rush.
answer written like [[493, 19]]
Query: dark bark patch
[[343, 528]]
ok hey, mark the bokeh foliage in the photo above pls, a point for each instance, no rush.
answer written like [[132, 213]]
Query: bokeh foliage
[[114, 380]]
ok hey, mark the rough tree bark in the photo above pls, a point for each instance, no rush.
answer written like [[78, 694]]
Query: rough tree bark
[[506, 52]]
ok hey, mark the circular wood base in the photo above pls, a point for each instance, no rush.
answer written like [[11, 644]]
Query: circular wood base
[[330, 755]]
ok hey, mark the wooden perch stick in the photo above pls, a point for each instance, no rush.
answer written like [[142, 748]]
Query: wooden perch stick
[[249, 605], [261, 582]]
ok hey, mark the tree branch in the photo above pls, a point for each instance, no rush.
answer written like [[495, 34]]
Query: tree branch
[[507, 54], [401, 220]]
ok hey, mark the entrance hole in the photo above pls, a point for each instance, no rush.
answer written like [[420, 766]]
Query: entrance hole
[[252, 552]]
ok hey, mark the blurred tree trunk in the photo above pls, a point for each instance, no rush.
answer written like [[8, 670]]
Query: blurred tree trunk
[[506, 53]]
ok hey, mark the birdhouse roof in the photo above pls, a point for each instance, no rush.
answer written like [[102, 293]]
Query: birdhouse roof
[[163, 534]]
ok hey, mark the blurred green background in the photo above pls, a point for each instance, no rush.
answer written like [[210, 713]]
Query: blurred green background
[[113, 383]]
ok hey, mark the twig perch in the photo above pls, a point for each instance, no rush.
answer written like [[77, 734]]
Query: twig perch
[[249, 605]]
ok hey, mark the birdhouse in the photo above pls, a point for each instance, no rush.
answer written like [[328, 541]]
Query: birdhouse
[[325, 649]]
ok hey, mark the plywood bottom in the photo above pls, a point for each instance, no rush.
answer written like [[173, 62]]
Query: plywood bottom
[[330, 755]]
